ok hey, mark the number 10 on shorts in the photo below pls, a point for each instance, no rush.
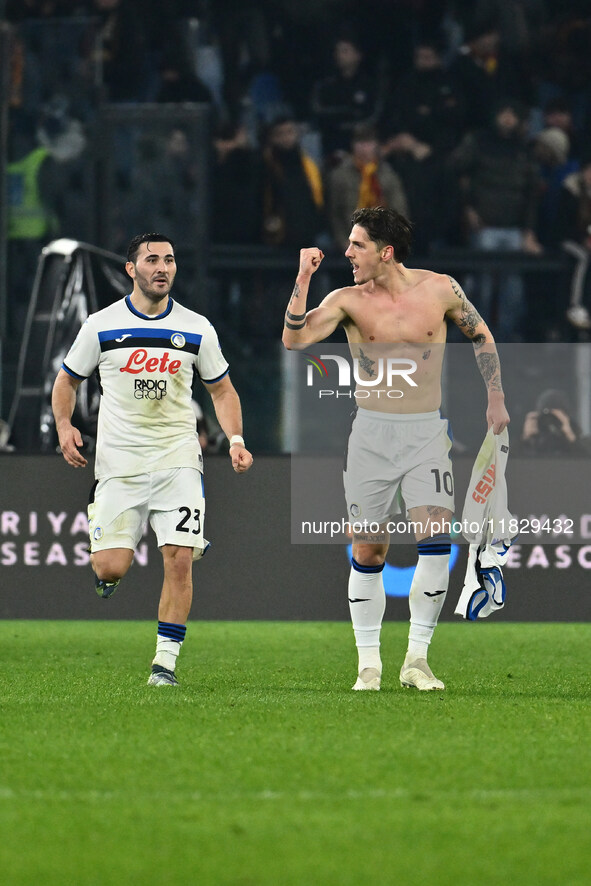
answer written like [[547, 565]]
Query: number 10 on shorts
[[448, 483]]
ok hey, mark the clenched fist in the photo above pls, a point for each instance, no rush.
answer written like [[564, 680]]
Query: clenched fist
[[310, 259]]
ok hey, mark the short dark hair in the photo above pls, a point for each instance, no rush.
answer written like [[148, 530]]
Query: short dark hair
[[364, 132], [134, 245], [386, 227]]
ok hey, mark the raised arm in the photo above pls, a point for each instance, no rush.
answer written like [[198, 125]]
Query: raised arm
[[466, 317], [63, 401], [302, 327]]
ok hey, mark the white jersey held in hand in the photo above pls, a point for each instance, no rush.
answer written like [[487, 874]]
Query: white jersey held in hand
[[486, 524], [146, 366]]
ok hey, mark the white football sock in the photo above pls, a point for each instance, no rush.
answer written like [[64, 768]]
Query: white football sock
[[427, 592], [168, 644], [367, 604]]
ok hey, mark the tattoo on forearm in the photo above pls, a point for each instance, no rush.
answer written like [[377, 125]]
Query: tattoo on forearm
[[295, 317], [295, 293], [478, 341], [366, 364], [490, 370]]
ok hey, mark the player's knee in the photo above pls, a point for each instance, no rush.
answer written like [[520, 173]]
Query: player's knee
[[369, 555], [177, 559], [111, 566], [109, 572]]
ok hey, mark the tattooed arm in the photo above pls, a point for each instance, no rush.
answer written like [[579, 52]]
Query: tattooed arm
[[302, 327], [466, 317]]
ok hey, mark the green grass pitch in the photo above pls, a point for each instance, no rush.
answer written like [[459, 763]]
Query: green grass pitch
[[263, 767]]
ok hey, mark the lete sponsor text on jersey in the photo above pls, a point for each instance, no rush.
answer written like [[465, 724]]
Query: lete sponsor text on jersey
[[139, 361]]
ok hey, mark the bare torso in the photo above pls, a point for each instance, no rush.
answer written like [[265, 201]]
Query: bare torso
[[398, 340]]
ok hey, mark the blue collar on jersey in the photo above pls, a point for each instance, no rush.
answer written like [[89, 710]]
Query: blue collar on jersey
[[137, 313]]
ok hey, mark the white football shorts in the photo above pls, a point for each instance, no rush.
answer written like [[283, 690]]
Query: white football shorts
[[390, 457], [172, 501]]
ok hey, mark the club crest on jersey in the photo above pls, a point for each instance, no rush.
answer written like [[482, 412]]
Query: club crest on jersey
[[178, 340], [98, 533]]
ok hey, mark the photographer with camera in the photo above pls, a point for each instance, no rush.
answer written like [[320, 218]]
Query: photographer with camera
[[550, 429]]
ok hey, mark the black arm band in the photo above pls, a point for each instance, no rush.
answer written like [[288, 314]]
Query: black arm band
[[294, 325]]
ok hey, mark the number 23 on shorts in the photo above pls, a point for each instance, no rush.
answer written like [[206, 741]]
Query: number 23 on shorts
[[190, 520]]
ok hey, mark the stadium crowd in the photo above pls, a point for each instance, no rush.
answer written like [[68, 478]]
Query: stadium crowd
[[472, 117]]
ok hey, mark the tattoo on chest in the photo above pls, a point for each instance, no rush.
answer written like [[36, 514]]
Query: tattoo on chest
[[426, 355], [366, 364]]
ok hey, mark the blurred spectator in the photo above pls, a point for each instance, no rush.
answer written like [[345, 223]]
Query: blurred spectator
[[29, 221], [30, 225], [164, 185], [59, 131], [242, 34], [573, 232], [362, 179], [265, 100], [66, 177], [421, 123], [236, 187], [564, 59], [119, 43], [518, 21], [196, 32], [427, 103], [550, 429], [293, 197], [546, 316], [486, 74], [346, 97], [50, 56], [558, 114], [178, 83], [500, 207], [550, 150], [236, 218], [17, 68]]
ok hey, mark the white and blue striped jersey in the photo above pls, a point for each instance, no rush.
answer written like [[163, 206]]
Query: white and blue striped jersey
[[145, 366]]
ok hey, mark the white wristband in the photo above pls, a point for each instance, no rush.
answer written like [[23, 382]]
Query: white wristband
[[236, 438]]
